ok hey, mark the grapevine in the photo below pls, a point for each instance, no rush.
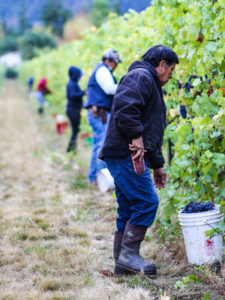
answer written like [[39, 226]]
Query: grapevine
[[195, 31]]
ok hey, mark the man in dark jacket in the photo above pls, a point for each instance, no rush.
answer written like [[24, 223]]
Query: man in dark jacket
[[74, 104], [132, 145]]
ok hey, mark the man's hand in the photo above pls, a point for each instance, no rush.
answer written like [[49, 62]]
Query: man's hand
[[137, 147], [94, 110], [159, 178]]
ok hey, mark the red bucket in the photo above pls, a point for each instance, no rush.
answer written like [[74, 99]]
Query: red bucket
[[61, 127]]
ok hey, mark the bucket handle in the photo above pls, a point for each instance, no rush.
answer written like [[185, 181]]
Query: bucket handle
[[209, 225]]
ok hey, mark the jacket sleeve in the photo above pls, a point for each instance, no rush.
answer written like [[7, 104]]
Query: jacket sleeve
[[155, 161], [129, 102], [106, 81], [45, 90], [75, 92]]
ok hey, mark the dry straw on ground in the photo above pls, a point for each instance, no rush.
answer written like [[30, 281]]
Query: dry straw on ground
[[56, 233]]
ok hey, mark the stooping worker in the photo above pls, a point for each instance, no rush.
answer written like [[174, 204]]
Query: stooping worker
[[101, 88], [74, 104], [132, 145], [42, 90]]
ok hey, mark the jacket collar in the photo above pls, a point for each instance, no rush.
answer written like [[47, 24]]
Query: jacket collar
[[146, 65]]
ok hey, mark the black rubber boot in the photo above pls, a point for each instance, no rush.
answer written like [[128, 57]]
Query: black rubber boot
[[129, 258], [72, 147], [40, 110], [118, 236]]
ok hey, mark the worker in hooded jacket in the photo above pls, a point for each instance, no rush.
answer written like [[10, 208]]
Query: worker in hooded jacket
[[74, 96]]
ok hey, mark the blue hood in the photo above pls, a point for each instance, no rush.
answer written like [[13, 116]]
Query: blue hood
[[75, 73]]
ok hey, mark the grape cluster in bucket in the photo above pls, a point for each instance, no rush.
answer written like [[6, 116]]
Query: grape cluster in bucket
[[194, 207]]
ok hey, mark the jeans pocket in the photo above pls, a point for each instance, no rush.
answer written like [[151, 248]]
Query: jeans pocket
[[130, 165]]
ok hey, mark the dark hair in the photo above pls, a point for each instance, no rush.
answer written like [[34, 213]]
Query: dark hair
[[159, 52], [105, 58]]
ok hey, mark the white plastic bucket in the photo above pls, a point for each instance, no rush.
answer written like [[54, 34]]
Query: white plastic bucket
[[60, 118], [199, 247], [105, 181]]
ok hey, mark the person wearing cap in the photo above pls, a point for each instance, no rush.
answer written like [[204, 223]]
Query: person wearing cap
[[101, 88], [132, 145]]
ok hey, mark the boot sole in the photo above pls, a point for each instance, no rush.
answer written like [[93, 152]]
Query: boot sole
[[121, 271], [123, 268]]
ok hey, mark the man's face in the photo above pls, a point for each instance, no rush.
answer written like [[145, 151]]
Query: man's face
[[164, 71], [111, 64]]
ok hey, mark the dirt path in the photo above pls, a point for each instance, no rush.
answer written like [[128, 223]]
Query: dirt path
[[53, 237], [56, 233]]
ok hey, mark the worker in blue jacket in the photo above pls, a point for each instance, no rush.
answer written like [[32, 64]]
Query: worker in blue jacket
[[102, 86], [74, 104]]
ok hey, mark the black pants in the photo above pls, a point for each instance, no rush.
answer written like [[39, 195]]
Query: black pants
[[74, 117]]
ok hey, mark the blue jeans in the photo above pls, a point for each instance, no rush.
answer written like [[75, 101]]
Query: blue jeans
[[41, 98], [136, 195], [99, 132]]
